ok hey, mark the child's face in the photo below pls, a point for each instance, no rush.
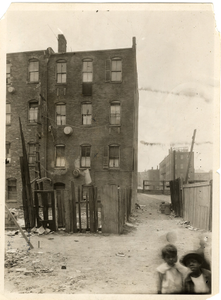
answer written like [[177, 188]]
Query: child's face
[[193, 264], [170, 259]]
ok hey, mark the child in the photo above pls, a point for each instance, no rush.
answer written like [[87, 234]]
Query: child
[[198, 281], [169, 277]]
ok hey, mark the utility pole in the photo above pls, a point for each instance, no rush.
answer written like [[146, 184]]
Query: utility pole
[[190, 155]]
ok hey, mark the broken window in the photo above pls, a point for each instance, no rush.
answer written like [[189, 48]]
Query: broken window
[[115, 113], [116, 69], [33, 70], [8, 114], [11, 189], [61, 71], [8, 152], [114, 157], [87, 70], [8, 73], [61, 114], [85, 156], [60, 156], [31, 153], [33, 112], [86, 113]]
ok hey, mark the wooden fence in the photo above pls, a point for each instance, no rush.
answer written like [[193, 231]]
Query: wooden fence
[[116, 208], [197, 204], [193, 202]]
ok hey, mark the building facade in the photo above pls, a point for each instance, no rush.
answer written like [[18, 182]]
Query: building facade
[[175, 164], [152, 177], [79, 111]]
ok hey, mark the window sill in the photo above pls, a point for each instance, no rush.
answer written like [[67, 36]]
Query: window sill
[[61, 84], [112, 125], [84, 168], [33, 82], [32, 124], [11, 201], [60, 168]]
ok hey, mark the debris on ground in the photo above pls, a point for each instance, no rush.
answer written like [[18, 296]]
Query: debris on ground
[[121, 254]]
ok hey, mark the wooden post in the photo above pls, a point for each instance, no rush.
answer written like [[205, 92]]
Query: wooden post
[[24, 196], [67, 211], [79, 207], [19, 227], [74, 225], [87, 211], [190, 155], [95, 210]]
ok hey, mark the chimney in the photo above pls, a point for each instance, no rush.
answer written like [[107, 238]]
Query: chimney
[[62, 43]]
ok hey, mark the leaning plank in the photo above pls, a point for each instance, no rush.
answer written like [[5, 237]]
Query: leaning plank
[[19, 227], [79, 207], [74, 207]]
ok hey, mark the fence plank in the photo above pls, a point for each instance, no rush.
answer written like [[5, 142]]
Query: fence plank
[[74, 224], [67, 211], [95, 210], [91, 207], [79, 208]]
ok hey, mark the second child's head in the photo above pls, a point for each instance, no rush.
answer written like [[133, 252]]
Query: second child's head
[[169, 254]]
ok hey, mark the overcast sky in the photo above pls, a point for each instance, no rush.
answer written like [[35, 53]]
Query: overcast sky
[[175, 59]]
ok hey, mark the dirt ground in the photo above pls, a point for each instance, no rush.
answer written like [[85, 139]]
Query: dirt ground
[[86, 263]]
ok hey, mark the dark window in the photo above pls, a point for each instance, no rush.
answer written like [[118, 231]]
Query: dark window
[[60, 156], [33, 70], [85, 156], [86, 113], [31, 153], [116, 69], [8, 73], [114, 158], [61, 114], [61, 71], [33, 112], [8, 114], [8, 152], [12, 189], [115, 114]]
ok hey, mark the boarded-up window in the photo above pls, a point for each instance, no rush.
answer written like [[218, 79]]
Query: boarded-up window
[[87, 88], [61, 71], [8, 152], [33, 112], [86, 113], [116, 69], [33, 70], [12, 189], [107, 70], [31, 153], [8, 114], [61, 114], [114, 156], [115, 114], [85, 156], [60, 156], [87, 70]]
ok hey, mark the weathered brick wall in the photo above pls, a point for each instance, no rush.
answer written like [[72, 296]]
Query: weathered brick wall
[[99, 133], [24, 91]]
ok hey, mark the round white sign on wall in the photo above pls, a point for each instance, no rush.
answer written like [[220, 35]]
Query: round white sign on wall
[[68, 130]]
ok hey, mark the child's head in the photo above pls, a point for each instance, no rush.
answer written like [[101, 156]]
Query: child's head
[[193, 261], [169, 254]]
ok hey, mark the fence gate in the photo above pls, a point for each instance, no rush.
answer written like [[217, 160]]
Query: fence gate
[[45, 206], [176, 196], [59, 189]]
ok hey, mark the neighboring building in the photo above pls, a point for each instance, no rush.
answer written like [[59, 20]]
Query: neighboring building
[[203, 176], [79, 110], [174, 165], [152, 176]]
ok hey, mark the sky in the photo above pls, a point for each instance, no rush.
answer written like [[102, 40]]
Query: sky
[[175, 60]]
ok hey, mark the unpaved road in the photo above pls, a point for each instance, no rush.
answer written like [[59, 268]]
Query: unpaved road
[[97, 263]]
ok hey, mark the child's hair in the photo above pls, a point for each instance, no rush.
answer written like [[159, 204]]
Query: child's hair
[[169, 249]]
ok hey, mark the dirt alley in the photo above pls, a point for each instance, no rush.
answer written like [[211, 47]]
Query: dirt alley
[[98, 263]]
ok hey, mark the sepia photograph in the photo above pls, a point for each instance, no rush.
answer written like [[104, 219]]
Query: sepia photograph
[[111, 150]]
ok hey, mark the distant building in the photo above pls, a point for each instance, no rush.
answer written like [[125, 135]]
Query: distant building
[[152, 176], [174, 165]]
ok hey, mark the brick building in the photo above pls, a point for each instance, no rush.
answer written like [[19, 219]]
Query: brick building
[[79, 110], [174, 165], [152, 175]]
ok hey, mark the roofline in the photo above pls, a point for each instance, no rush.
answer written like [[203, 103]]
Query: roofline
[[73, 52]]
